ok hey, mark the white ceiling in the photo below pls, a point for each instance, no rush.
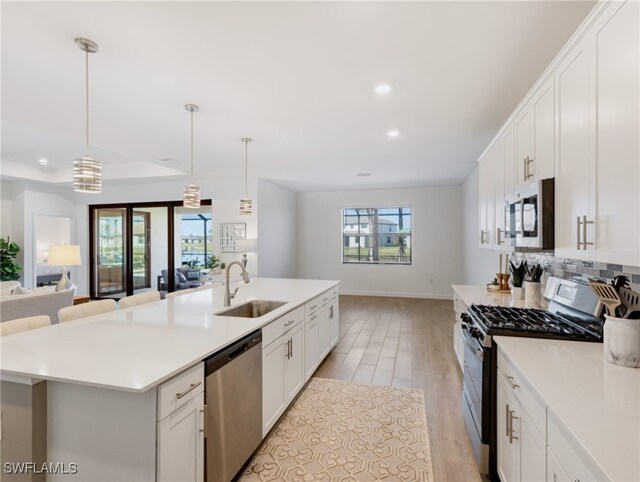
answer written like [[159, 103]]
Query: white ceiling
[[296, 77]]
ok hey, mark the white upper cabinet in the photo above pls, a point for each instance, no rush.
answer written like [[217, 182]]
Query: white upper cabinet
[[509, 143], [535, 136], [542, 166], [499, 189], [572, 171], [615, 187], [486, 200], [598, 169]]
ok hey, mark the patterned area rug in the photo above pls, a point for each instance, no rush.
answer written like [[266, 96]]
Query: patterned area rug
[[342, 431]]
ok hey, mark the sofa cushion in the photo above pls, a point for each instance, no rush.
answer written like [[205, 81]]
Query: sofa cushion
[[21, 290]]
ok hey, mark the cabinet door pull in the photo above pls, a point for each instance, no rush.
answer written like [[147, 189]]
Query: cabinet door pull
[[498, 236], [289, 322], [512, 418], [313, 317], [204, 421], [511, 382], [584, 233], [507, 419], [291, 344], [579, 222], [191, 387]]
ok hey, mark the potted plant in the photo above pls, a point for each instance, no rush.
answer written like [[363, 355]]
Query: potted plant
[[9, 270], [517, 278]]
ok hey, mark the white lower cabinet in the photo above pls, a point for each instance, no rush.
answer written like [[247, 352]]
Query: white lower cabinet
[[311, 344], [294, 364], [334, 322], [273, 358], [521, 447], [180, 428], [283, 373], [181, 443]]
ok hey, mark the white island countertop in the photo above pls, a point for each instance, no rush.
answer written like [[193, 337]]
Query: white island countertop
[[137, 348], [599, 403]]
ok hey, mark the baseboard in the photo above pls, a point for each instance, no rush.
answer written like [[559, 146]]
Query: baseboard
[[397, 295]]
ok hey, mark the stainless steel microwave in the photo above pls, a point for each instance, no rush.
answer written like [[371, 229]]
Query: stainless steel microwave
[[529, 222]]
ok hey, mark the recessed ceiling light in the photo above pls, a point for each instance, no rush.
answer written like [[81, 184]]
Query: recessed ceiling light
[[363, 174], [43, 162], [382, 89], [393, 133]]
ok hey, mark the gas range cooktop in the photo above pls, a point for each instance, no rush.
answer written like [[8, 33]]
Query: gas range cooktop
[[531, 322]]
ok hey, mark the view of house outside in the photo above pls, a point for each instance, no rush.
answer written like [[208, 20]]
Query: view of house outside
[[376, 235]]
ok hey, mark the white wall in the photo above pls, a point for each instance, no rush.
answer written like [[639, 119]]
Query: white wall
[[437, 241], [277, 241], [480, 264]]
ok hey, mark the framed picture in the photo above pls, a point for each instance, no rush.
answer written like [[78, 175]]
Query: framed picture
[[229, 234]]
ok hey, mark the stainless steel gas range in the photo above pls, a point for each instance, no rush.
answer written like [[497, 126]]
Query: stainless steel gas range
[[571, 315]]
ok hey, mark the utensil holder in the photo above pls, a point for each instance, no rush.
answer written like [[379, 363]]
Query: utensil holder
[[622, 341], [532, 294]]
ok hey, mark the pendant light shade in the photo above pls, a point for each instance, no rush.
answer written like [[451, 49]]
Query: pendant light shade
[[191, 192], [87, 171], [246, 204]]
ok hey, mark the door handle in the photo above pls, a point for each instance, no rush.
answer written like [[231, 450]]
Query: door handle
[[204, 421], [579, 222], [507, 419], [512, 418], [511, 382], [498, 236]]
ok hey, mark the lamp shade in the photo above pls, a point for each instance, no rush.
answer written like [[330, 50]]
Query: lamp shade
[[64, 255], [245, 245]]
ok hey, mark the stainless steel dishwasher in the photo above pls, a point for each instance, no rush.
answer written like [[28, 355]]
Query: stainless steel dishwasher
[[233, 397]]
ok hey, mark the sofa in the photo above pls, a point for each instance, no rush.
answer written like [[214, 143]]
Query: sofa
[[38, 301]]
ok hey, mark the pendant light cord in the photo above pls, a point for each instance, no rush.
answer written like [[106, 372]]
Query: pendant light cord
[[246, 150], [192, 145], [86, 101]]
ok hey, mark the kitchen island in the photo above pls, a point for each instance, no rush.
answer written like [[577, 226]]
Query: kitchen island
[[103, 372]]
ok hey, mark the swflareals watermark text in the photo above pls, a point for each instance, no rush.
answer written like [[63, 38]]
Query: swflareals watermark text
[[59, 468]]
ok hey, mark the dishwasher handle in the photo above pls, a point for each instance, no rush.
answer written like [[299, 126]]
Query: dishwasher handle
[[233, 351]]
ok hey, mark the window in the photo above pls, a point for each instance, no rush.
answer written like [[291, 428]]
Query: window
[[376, 235]]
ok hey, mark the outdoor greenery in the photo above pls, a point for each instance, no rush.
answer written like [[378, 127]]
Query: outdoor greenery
[[9, 270], [385, 253]]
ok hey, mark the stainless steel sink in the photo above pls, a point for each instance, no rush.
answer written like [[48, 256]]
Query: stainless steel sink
[[252, 309]]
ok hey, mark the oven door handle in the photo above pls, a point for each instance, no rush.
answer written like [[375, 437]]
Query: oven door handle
[[477, 350]]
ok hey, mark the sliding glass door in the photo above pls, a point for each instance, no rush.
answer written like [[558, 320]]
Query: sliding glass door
[[110, 226], [134, 247]]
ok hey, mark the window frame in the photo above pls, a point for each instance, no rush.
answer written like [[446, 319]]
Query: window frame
[[358, 234]]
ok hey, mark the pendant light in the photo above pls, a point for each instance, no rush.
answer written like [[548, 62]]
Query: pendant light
[[191, 197], [87, 171], [246, 205]]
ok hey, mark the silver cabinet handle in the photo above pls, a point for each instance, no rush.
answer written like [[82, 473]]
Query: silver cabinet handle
[[512, 383], [313, 317], [331, 312], [579, 221], [524, 162], [498, 236], [584, 233], [204, 421], [313, 307], [191, 387], [527, 168], [507, 419], [512, 418], [291, 344], [482, 236], [289, 322]]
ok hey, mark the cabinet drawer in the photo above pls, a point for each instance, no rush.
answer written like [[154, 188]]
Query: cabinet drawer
[[179, 390], [529, 400], [326, 297], [575, 462], [312, 305], [276, 328]]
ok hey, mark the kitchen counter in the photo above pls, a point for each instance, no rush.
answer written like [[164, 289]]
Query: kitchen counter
[[138, 348], [599, 403], [474, 294]]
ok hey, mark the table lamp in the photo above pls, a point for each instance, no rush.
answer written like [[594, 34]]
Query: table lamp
[[245, 246], [65, 256]]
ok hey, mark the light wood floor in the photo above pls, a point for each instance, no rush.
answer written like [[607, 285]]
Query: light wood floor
[[408, 343]]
